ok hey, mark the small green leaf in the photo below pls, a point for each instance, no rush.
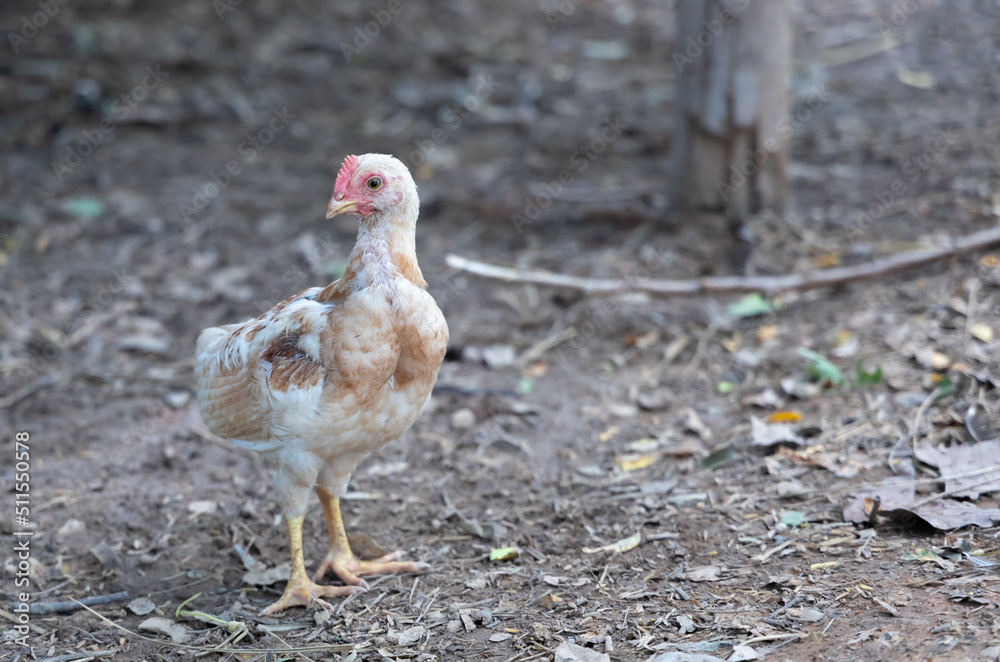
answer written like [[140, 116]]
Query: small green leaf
[[945, 386], [720, 457], [820, 368], [920, 554], [863, 377], [725, 387], [749, 306], [503, 553], [84, 207], [525, 386], [793, 518]]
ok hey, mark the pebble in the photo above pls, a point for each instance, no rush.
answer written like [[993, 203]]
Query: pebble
[[463, 419], [71, 528], [499, 356], [177, 399]]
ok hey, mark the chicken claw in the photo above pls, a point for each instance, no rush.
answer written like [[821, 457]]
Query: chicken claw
[[303, 592], [349, 568], [300, 590], [341, 559]]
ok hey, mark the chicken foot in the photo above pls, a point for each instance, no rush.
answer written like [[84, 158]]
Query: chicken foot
[[300, 590], [341, 559]]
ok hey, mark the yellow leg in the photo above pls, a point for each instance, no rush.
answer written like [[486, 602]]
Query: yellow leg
[[341, 559], [300, 590]]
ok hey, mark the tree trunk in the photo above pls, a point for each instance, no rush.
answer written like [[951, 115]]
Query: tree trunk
[[734, 64]]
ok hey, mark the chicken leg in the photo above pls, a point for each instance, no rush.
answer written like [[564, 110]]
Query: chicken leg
[[300, 590], [341, 559]]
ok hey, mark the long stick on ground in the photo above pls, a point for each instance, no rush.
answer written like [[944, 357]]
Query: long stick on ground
[[810, 280]]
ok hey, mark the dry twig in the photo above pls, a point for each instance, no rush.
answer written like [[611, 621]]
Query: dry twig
[[810, 280]]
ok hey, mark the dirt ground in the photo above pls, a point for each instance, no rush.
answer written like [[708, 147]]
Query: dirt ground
[[120, 240]]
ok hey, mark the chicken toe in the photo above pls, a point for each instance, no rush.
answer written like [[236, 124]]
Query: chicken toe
[[341, 560], [300, 590]]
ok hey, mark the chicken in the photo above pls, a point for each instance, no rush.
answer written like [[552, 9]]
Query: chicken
[[333, 373]]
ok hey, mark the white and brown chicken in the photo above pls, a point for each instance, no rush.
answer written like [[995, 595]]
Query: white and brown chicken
[[333, 373]]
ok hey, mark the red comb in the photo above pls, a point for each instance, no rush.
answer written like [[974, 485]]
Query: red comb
[[346, 172]]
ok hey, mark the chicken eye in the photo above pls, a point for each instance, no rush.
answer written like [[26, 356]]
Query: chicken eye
[[374, 183]]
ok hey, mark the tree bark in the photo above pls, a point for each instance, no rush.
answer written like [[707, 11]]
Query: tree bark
[[734, 64]]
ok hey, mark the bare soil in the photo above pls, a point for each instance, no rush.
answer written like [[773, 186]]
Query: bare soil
[[639, 425]]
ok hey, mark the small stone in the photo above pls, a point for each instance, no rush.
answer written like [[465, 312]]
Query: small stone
[[500, 636], [472, 354], [71, 528], [105, 554], [499, 356], [454, 626], [742, 653], [463, 419], [810, 615], [141, 606], [177, 399]]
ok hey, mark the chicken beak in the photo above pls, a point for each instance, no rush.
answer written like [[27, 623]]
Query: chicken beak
[[338, 207]]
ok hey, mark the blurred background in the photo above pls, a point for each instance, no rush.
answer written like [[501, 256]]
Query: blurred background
[[166, 167]]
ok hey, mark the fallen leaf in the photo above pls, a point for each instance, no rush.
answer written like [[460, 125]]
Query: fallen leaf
[[720, 457], [141, 606], [921, 554], [623, 545], [749, 306], [981, 331], [767, 332], [197, 508], [980, 424], [550, 600], [864, 377], [784, 417], [769, 434], [570, 652], [923, 80], [407, 637], [503, 553], [635, 462], [85, 207], [826, 260], [685, 624], [733, 344], [705, 573], [820, 368], [742, 653], [793, 518], [885, 605], [968, 470], [897, 501], [268, 576], [177, 632]]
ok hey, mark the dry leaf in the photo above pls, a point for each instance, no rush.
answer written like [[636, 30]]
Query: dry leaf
[[981, 331], [570, 652], [266, 577], [769, 434], [177, 632], [705, 573], [623, 545], [784, 417], [968, 470], [766, 332], [635, 462], [503, 553]]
